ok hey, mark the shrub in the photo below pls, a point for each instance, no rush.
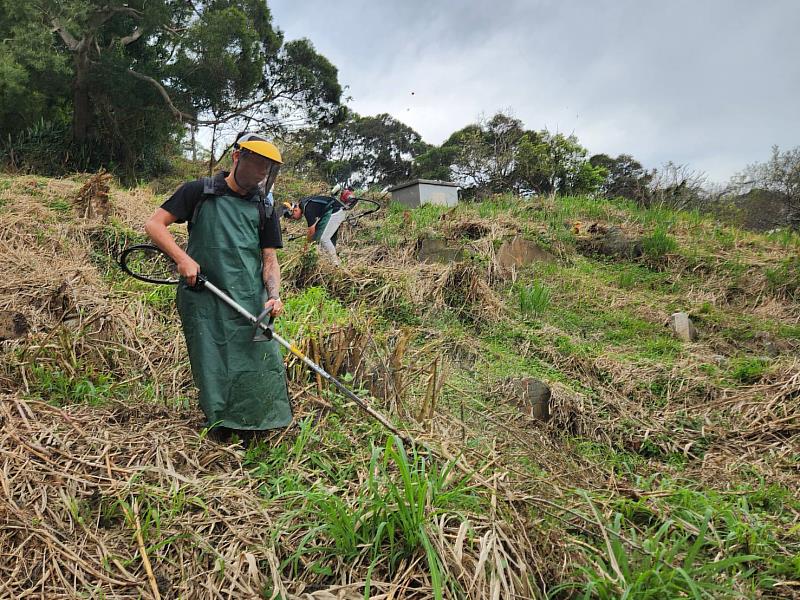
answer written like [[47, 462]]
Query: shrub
[[43, 148]]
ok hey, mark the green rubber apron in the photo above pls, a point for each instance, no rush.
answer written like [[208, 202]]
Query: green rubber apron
[[242, 383]]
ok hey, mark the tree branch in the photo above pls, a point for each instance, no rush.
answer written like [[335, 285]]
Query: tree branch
[[129, 39], [65, 35], [160, 88], [104, 14]]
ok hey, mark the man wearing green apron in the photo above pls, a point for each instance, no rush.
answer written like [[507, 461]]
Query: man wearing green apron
[[234, 232]]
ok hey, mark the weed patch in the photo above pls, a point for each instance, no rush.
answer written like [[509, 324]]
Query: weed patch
[[389, 522], [658, 244], [62, 388], [748, 370], [533, 299]]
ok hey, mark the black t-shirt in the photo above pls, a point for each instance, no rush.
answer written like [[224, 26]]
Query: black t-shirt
[[313, 210], [182, 203]]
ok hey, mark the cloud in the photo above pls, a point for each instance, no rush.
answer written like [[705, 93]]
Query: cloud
[[711, 84]]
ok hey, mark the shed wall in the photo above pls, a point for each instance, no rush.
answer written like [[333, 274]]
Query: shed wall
[[407, 196], [442, 195]]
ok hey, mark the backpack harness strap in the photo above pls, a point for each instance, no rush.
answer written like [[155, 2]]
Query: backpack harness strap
[[216, 186], [328, 201]]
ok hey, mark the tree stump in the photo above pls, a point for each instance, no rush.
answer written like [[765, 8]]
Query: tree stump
[[532, 397]]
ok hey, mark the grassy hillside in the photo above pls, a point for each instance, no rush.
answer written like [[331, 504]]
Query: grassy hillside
[[666, 468]]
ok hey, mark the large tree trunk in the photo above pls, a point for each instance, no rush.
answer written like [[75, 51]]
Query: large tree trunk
[[81, 109]]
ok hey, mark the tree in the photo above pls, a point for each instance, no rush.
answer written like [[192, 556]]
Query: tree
[[140, 71], [470, 166], [554, 163], [500, 155], [435, 163], [376, 150], [34, 78], [626, 178], [485, 154], [781, 173], [101, 38], [676, 186]]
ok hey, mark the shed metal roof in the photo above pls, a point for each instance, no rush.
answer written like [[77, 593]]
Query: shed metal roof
[[400, 186]]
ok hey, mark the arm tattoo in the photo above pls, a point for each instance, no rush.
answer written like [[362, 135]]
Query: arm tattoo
[[271, 272]]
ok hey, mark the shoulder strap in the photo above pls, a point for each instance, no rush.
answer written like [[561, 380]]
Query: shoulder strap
[[327, 201], [211, 189], [209, 186]]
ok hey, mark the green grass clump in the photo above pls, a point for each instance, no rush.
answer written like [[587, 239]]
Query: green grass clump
[[60, 388], [585, 208], [667, 563], [107, 243], [389, 521], [784, 280], [533, 299], [313, 309], [748, 370], [627, 280], [658, 244], [422, 217], [160, 297], [785, 237], [621, 461], [725, 237], [688, 542], [490, 208], [59, 205], [789, 331]]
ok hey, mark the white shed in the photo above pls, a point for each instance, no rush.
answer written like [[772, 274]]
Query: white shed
[[425, 191]]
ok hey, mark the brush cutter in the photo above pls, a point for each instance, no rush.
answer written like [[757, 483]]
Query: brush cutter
[[152, 265], [352, 218]]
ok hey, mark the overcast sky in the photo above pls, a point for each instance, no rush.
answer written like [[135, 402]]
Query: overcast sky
[[708, 83]]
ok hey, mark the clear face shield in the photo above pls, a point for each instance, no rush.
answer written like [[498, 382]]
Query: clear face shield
[[254, 172]]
